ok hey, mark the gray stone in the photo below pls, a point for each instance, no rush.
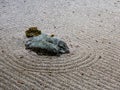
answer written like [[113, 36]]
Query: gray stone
[[44, 44]]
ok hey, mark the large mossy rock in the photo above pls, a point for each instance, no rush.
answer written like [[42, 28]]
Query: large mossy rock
[[45, 44]]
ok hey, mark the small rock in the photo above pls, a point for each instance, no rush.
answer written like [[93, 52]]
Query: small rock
[[73, 11], [98, 84], [24, 1], [45, 44], [21, 56], [52, 35], [109, 42], [55, 27], [82, 74], [21, 82], [99, 14], [100, 57], [96, 40], [2, 51]]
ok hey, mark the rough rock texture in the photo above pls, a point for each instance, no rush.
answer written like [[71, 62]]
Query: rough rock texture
[[44, 44]]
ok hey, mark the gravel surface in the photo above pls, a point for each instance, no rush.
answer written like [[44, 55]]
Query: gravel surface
[[89, 27]]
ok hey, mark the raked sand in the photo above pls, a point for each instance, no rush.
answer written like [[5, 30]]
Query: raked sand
[[91, 28]]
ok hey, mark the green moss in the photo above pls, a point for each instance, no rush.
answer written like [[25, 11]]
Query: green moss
[[32, 31]]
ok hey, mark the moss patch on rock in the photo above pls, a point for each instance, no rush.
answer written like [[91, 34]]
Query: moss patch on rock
[[32, 31]]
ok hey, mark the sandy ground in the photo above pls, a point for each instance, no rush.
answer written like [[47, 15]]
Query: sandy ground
[[91, 28]]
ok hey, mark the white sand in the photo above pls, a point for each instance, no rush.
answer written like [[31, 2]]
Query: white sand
[[91, 29]]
